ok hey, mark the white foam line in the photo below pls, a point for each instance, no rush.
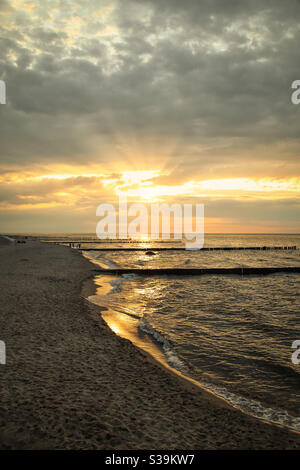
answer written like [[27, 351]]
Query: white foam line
[[252, 407]]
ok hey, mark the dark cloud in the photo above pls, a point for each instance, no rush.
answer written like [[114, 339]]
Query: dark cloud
[[200, 70]]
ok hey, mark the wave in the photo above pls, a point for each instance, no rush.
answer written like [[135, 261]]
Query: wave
[[116, 285], [255, 408], [172, 358], [247, 405], [111, 264], [100, 260], [102, 301]]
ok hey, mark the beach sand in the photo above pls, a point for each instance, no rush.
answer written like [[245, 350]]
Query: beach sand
[[70, 383]]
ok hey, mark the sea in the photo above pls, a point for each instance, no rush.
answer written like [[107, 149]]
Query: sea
[[231, 334]]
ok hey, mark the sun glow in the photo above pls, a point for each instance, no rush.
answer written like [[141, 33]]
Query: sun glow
[[84, 188], [247, 184], [142, 187]]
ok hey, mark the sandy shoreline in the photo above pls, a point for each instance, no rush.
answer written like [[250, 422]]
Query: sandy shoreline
[[70, 383]]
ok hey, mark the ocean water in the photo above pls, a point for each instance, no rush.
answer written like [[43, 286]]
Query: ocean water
[[231, 333]]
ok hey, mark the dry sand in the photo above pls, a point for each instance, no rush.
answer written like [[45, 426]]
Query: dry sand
[[70, 383]]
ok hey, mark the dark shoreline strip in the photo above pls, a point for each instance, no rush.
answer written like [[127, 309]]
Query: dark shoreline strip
[[198, 271], [51, 240], [268, 248]]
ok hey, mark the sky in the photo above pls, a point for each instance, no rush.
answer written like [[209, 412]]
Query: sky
[[159, 100]]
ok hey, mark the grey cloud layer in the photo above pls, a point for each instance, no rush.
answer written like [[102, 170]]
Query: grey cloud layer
[[208, 74]]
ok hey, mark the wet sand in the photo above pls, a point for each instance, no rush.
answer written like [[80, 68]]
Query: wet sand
[[70, 383]]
